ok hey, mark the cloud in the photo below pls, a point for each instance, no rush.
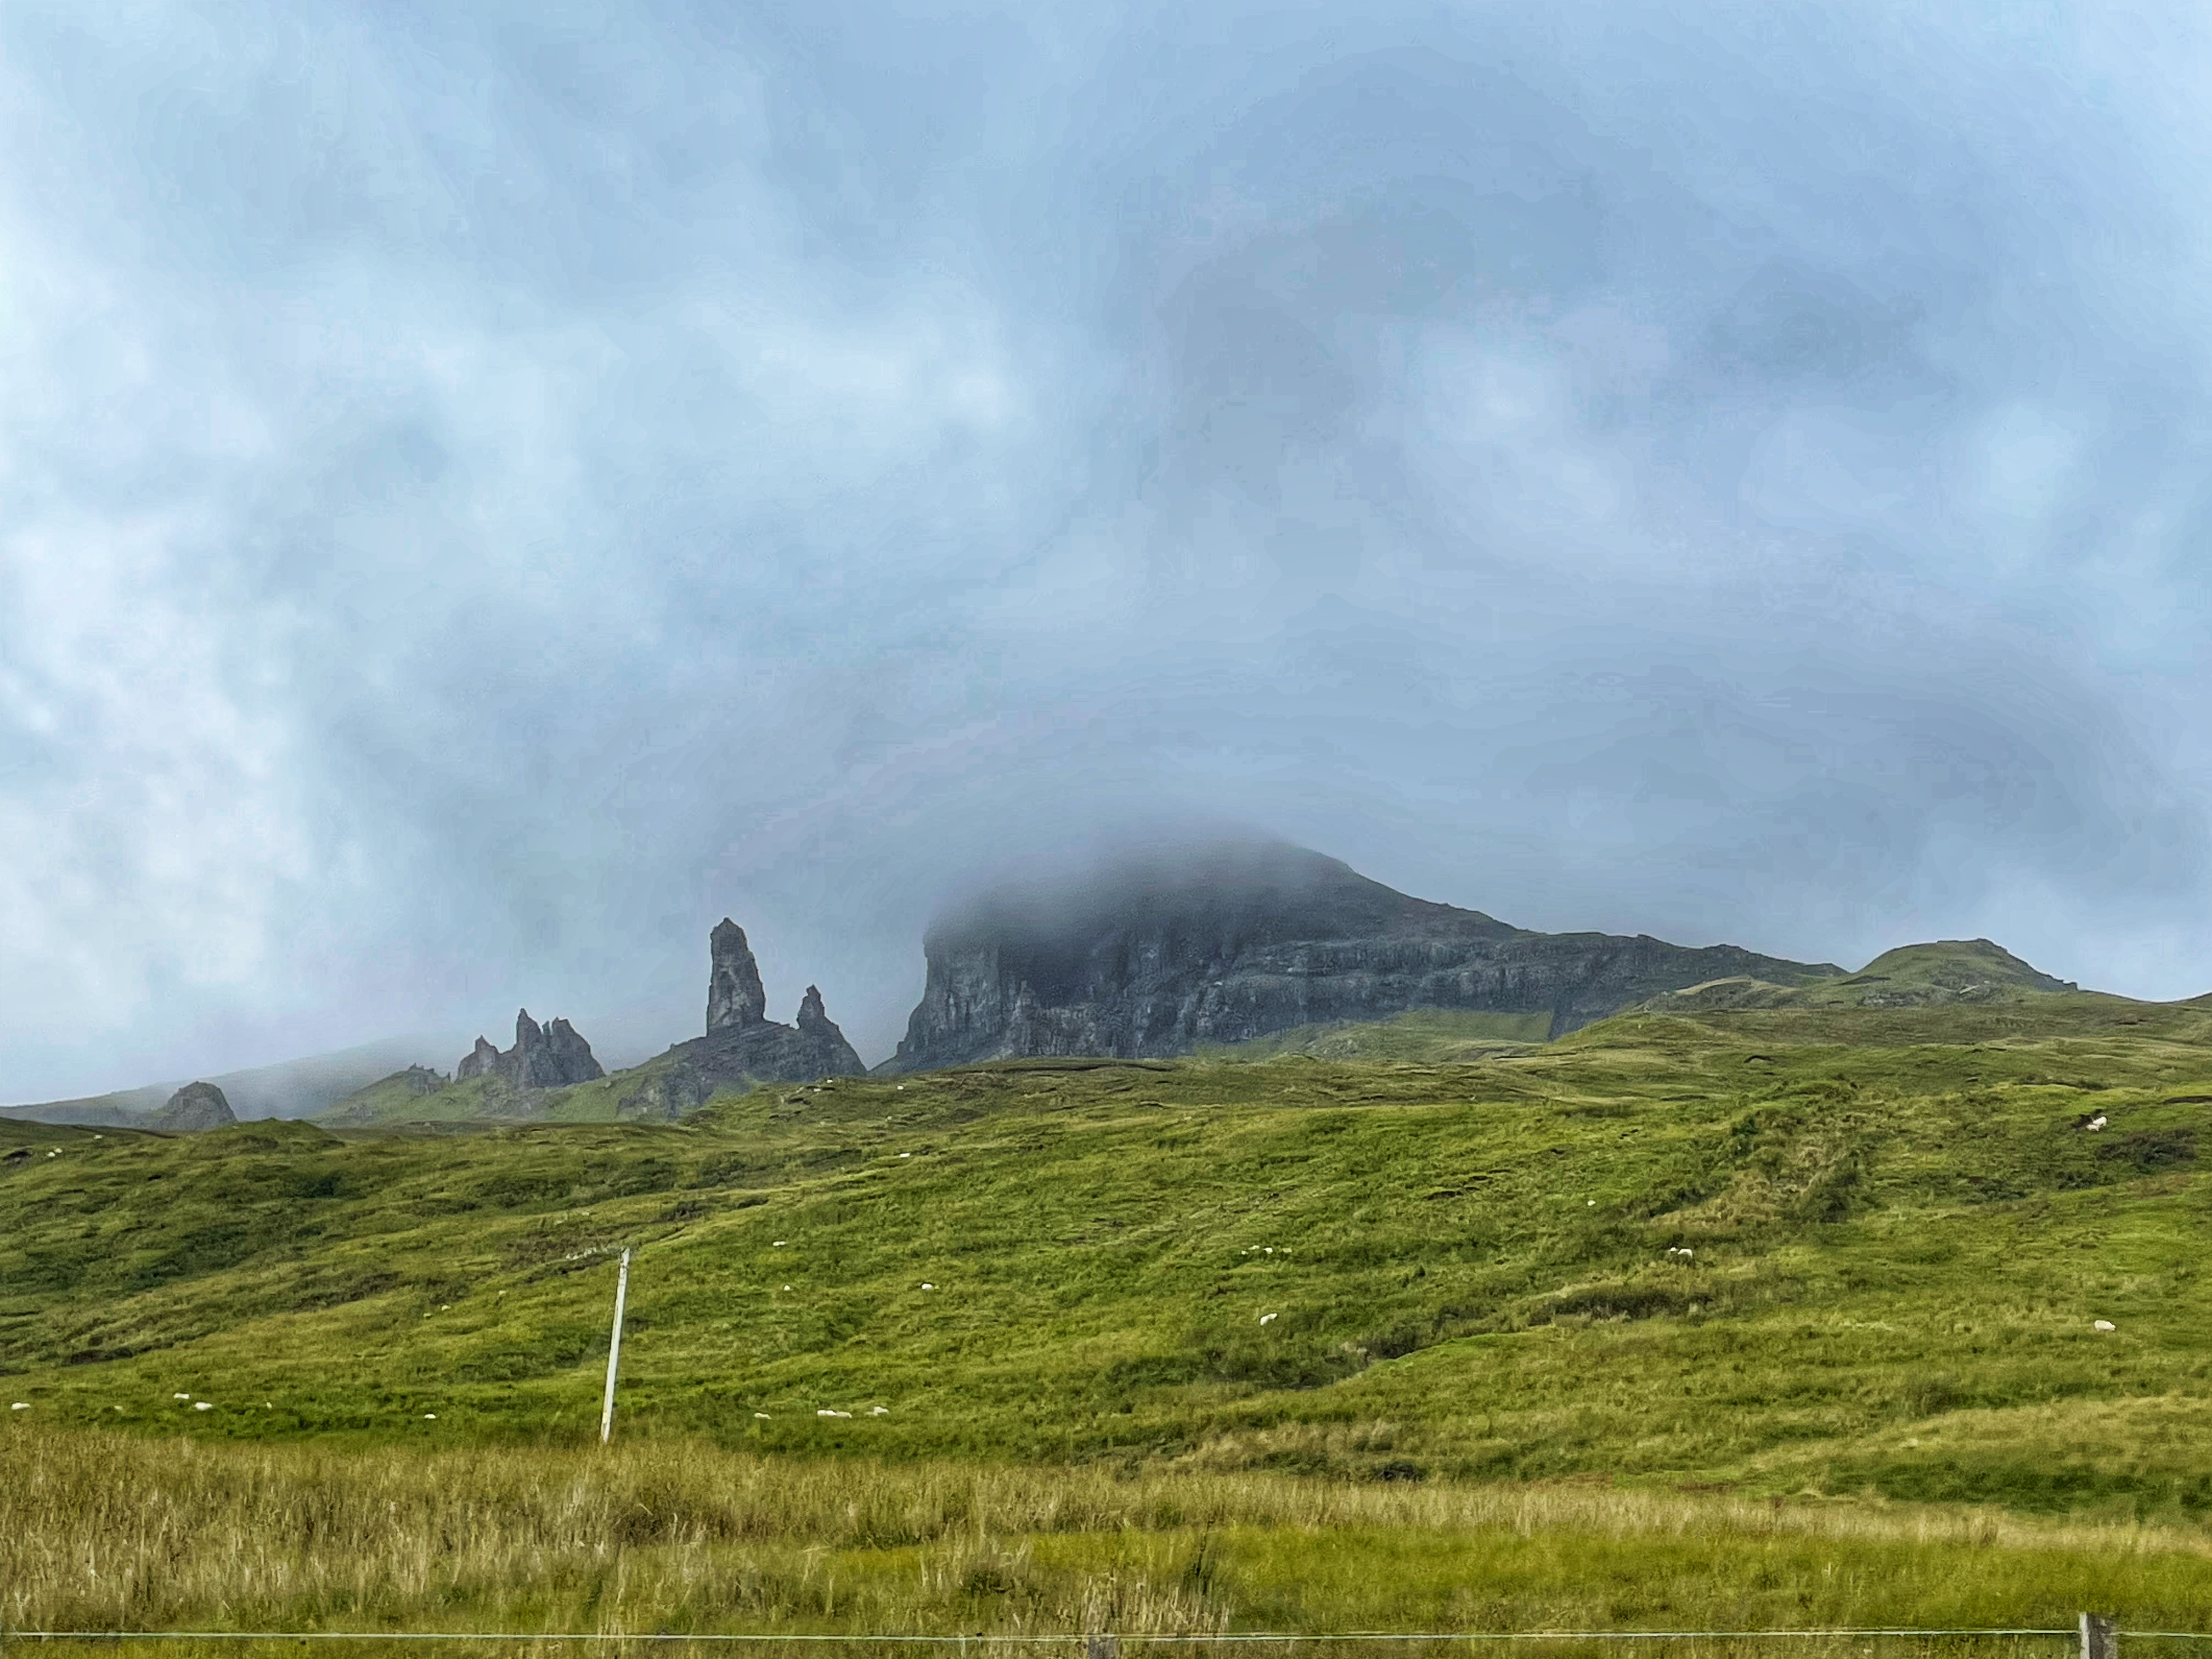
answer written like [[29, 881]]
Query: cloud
[[482, 496]]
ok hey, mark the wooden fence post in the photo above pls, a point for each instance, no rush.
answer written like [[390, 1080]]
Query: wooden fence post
[[1102, 1647], [2101, 1636], [614, 1359]]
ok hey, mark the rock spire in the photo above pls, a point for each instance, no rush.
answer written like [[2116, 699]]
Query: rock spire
[[551, 1056], [734, 994], [814, 1019]]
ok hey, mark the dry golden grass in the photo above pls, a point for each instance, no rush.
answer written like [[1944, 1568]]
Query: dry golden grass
[[105, 1533]]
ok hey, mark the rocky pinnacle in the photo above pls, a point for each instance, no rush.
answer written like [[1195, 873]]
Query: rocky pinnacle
[[735, 995], [543, 1057]]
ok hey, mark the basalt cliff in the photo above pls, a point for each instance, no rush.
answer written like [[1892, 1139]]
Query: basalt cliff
[[1159, 954]]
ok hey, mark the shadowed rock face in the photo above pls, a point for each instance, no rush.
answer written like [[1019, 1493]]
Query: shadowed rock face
[[734, 995], [1158, 953], [543, 1057], [195, 1106]]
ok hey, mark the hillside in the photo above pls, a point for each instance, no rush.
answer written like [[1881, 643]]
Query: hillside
[[294, 1088], [1654, 1251]]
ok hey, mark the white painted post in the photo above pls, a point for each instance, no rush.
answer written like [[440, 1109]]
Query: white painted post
[[614, 1352]]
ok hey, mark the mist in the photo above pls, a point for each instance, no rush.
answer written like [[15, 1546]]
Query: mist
[[485, 494]]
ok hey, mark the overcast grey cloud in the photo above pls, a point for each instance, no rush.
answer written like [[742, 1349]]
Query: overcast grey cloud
[[485, 492]]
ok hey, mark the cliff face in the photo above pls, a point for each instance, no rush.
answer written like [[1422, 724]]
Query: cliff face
[[1155, 955], [549, 1057]]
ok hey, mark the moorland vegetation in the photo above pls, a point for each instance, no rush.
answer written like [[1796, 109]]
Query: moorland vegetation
[[1746, 1307]]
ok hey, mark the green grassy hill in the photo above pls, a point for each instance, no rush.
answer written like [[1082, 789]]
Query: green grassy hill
[[1730, 1250], [1947, 973]]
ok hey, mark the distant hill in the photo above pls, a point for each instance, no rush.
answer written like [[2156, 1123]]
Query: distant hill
[[1940, 974], [1168, 950], [294, 1088]]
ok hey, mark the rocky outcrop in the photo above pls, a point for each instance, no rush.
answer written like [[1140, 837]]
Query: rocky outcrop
[[734, 994], [414, 1081], [195, 1106], [1157, 954], [743, 1047], [814, 1019], [543, 1057]]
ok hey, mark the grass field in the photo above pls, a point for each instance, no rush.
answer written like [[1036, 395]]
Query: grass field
[[106, 1532], [1782, 1274]]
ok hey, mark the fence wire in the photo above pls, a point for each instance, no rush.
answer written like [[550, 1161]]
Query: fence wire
[[1070, 1637]]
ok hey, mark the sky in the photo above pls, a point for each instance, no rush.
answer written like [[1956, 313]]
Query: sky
[[487, 491]]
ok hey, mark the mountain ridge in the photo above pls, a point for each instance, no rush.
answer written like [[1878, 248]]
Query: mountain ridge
[[1162, 953]]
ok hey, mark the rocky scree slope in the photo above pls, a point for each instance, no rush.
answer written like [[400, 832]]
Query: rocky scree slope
[[1156, 954]]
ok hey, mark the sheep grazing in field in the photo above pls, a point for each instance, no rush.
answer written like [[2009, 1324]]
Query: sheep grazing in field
[[879, 1410], [21, 1406], [763, 1417], [1267, 1318], [203, 1405], [826, 1412], [2104, 1325]]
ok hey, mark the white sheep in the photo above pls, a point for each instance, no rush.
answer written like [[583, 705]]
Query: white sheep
[[763, 1417], [2104, 1325], [1266, 1318], [21, 1406], [203, 1405]]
